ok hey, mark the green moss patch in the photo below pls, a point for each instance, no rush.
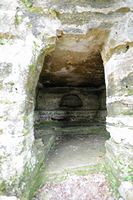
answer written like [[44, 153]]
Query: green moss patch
[[33, 178], [2, 187], [113, 181]]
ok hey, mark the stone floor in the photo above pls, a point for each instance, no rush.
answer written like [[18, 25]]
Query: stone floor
[[74, 169], [75, 151]]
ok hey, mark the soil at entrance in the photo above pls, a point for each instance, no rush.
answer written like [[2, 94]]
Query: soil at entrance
[[70, 153], [90, 187]]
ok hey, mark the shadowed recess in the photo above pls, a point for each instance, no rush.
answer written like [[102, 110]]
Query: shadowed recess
[[75, 61]]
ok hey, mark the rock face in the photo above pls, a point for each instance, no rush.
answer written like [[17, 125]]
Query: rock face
[[76, 61], [70, 110], [89, 104], [73, 43]]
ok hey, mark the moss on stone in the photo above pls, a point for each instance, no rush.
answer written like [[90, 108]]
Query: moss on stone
[[113, 181], [6, 37], [129, 178], [37, 10], [27, 3], [124, 10], [2, 42], [7, 187], [32, 79], [35, 180], [53, 12], [90, 169], [33, 176], [18, 19], [129, 172], [2, 187], [32, 68], [80, 171]]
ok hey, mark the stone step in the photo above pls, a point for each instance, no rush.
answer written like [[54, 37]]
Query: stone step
[[81, 153], [72, 130], [71, 115], [67, 124]]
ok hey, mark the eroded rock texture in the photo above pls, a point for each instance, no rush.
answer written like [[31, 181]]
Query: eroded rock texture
[[119, 121], [69, 41]]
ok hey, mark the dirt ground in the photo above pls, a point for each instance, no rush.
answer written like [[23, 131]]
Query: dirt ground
[[90, 187]]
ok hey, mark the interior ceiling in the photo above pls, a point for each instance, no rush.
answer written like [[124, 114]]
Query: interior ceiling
[[76, 61]]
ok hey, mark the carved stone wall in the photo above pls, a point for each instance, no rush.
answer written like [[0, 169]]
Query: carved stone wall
[[69, 41], [71, 104]]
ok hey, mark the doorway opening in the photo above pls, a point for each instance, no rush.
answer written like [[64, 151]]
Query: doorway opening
[[71, 107]]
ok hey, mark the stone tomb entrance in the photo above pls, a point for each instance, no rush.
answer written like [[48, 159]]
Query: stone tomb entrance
[[71, 109], [75, 115], [66, 43]]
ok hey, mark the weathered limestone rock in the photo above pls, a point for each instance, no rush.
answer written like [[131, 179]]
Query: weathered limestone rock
[[118, 61], [64, 110], [126, 190], [73, 34], [22, 54]]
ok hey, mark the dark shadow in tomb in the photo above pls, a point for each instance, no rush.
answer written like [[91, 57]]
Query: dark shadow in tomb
[[68, 104], [71, 101]]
